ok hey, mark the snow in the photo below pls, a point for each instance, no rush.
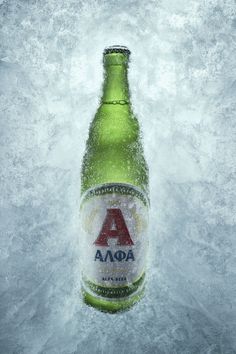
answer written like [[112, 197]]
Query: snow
[[182, 79]]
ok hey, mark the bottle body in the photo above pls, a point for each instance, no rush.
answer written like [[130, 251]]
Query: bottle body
[[114, 202]]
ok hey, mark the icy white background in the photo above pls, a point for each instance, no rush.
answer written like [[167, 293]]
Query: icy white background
[[183, 83]]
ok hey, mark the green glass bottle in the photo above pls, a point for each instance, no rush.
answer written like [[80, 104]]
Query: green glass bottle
[[114, 200]]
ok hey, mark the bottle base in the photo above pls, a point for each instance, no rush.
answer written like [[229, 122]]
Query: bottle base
[[111, 306]]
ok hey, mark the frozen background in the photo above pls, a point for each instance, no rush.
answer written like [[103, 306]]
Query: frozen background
[[183, 83]]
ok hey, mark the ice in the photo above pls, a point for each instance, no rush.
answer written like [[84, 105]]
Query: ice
[[182, 79]]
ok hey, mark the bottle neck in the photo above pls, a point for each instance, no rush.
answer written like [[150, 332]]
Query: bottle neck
[[115, 87]]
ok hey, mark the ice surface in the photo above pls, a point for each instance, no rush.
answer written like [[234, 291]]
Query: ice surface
[[182, 78]]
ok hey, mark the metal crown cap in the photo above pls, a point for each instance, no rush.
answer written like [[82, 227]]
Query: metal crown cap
[[117, 49]]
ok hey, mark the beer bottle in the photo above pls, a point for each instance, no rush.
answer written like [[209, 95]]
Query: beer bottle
[[114, 200]]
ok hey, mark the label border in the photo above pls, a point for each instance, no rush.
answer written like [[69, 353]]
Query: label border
[[119, 188], [111, 293]]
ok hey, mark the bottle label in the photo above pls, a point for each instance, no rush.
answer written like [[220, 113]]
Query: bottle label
[[113, 239]]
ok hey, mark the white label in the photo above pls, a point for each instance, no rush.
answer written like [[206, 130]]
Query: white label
[[113, 239]]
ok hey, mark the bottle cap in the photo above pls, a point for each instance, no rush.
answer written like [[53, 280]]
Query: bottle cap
[[116, 55], [117, 49]]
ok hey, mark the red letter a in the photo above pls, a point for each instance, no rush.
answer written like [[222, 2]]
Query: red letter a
[[114, 217]]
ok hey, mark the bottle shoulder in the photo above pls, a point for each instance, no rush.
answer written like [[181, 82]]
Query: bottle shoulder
[[114, 149], [113, 124]]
